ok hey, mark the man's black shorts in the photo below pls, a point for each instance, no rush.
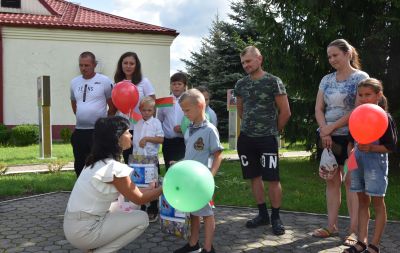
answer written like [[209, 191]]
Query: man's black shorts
[[259, 157]]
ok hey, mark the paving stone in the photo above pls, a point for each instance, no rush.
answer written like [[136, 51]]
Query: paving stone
[[36, 225]]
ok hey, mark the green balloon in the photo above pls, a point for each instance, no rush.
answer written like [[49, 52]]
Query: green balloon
[[188, 185]]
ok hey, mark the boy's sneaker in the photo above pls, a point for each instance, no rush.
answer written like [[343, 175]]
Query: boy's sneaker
[[257, 221], [277, 227], [188, 249], [205, 251]]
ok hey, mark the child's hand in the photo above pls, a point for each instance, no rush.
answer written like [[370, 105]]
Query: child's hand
[[142, 142], [177, 129], [364, 147], [172, 162]]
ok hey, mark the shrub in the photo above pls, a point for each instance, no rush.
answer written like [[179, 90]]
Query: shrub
[[24, 135], [56, 166], [65, 134], [3, 169], [5, 134]]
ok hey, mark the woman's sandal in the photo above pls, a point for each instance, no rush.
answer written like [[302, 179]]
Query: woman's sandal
[[350, 240], [324, 233], [373, 247], [356, 248]]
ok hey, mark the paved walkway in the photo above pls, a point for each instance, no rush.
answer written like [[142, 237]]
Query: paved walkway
[[34, 224]]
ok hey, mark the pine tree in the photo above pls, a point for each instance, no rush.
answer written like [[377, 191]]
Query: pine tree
[[217, 66]]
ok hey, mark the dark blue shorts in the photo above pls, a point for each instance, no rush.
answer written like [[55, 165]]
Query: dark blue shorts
[[371, 176], [259, 157]]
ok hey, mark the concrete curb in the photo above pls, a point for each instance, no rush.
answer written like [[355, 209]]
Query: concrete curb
[[41, 168]]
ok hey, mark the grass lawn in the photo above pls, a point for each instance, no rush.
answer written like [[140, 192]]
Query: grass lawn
[[10, 155], [303, 190]]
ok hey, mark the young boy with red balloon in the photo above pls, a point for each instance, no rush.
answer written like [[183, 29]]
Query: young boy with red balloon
[[373, 136], [202, 145]]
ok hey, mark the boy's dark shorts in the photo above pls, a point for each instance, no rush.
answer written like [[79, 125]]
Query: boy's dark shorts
[[259, 157]]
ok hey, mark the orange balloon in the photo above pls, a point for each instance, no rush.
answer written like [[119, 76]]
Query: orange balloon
[[367, 123], [125, 96]]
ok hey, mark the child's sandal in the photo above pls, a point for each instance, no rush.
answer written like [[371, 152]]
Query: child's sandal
[[353, 249], [373, 247]]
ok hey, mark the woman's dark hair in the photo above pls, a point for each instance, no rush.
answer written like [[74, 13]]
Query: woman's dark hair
[[107, 132], [345, 47], [137, 74]]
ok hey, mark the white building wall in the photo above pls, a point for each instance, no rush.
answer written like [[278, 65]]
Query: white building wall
[[28, 6], [29, 53]]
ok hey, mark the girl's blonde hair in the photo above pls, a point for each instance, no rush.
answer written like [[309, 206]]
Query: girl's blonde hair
[[377, 87]]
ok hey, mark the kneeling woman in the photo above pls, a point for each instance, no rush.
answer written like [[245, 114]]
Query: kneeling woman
[[88, 223]]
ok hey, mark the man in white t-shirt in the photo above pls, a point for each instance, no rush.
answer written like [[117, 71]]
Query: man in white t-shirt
[[90, 95]]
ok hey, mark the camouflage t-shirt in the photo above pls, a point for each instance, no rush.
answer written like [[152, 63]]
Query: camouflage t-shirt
[[259, 109]]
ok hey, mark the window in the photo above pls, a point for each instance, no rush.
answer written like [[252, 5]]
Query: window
[[11, 3]]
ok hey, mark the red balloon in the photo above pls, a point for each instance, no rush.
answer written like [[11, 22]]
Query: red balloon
[[125, 96], [367, 123]]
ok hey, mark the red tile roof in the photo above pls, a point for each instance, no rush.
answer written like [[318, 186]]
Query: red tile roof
[[67, 15]]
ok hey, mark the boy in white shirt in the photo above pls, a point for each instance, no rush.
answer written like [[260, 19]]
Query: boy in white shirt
[[147, 137], [173, 148]]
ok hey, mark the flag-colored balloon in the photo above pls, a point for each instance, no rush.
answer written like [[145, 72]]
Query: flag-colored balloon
[[125, 96], [184, 124], [188, 185], [352, 162], [367, 123]]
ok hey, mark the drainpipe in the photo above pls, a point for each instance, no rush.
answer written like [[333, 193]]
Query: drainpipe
[[1, 77]]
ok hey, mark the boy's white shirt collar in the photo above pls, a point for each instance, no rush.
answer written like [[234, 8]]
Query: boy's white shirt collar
[[177, 98], [148, 121]]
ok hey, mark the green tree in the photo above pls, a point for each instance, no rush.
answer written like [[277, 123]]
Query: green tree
[[216, 66], [293, 36]]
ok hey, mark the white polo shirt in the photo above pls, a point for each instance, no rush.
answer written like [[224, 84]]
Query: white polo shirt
[[171, 117]]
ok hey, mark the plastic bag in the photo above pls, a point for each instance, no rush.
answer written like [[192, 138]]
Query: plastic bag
[[328, 166], [123, 205]]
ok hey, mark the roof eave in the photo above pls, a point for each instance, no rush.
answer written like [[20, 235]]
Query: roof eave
[[93, 28]]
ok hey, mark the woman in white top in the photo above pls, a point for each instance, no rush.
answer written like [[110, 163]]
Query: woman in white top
[[130, 68], [88, 222]]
